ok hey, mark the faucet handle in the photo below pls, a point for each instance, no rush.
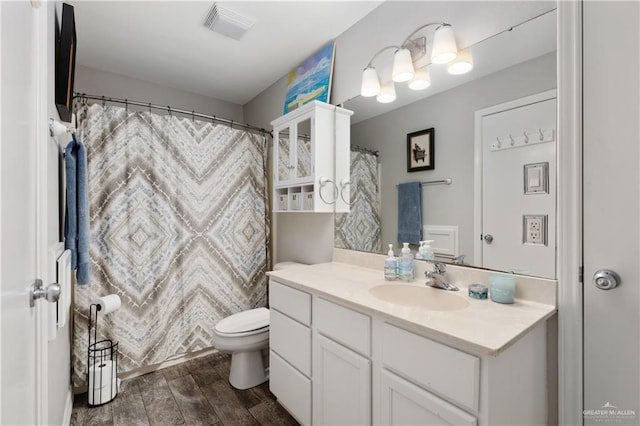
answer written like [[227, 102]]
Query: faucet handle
[[439, 267], [459, 260]]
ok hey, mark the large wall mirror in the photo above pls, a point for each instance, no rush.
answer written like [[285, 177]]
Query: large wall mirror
[[483, 128]]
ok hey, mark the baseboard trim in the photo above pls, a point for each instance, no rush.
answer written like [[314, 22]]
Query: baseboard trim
[[68, 407]]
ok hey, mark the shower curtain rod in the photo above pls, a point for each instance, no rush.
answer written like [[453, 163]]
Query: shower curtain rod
[[366, 150], [171, 110]]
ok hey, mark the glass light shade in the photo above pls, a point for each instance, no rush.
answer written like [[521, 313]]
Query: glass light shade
[[370, 83], [387, 93], [421, 79], [402, 66], [444, 45], [463, 63]]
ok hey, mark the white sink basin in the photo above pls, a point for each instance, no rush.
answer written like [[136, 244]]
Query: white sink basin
[[419, 297]]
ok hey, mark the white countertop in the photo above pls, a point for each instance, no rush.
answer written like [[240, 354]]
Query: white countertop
[[484, 326]]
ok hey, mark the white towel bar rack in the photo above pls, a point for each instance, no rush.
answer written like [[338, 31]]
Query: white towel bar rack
[[56, 128], [446, 181]]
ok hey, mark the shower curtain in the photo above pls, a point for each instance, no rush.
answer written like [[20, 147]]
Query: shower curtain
[[179, 230], [360, 228]]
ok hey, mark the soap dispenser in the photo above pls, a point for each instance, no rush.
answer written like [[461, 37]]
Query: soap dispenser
[[426, 251], [390, 265], [405, 266]]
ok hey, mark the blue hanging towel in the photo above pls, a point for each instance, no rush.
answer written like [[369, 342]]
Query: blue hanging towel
[[410, 212], [77, 211]]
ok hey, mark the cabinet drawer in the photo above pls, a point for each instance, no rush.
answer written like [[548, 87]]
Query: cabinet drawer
[[289, 301], [292, 389], [343, 325], [291, 340], [444, 370]]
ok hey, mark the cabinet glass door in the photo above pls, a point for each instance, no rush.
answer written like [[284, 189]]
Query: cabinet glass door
[[303, 150], [284, 160]]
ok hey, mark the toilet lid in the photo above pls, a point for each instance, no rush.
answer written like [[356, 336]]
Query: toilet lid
[[241, 322]]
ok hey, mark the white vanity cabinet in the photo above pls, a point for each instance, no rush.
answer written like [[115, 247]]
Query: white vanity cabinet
[[310, 152], [332, 364]]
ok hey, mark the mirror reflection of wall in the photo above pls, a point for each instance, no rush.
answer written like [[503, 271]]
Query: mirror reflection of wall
[[451, 114]]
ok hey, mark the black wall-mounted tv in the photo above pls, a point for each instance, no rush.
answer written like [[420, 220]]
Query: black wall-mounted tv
[[65, 62]]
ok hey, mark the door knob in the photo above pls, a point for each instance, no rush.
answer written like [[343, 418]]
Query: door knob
[[488, 238], [606, 279], [37, 291]]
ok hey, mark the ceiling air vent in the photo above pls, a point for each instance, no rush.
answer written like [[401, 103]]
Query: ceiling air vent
[[228, 22]]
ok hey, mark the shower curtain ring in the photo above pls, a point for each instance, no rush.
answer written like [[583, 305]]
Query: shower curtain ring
[[193, 116], [169, 109], [126, 106], [104, 102]]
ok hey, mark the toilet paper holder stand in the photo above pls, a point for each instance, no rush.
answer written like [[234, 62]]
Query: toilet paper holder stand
[[102, 364]]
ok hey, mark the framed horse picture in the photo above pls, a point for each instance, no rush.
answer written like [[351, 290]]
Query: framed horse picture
[[420, 150]]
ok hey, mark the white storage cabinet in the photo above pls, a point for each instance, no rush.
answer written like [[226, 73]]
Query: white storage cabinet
[[311, 159]]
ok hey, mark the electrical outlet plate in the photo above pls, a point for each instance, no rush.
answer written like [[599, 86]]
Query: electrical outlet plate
[[534, 229]]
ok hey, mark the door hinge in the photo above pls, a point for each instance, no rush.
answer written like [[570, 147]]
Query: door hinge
[[581, 274]]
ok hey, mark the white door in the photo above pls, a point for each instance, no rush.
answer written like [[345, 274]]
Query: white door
[[18, 235], [519, 185], [611, 211]]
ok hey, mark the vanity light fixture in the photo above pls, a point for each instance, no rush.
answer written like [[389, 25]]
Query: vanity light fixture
[[387, 93], [463, 63], [410, 63]]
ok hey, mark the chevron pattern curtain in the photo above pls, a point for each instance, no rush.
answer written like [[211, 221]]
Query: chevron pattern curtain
[[360, 229], [179, 230]]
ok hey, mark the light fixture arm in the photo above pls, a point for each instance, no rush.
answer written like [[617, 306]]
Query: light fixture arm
[[416, 31], [369, 65]]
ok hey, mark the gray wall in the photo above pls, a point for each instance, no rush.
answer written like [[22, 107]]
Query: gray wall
[[451, 114], [102, 83]]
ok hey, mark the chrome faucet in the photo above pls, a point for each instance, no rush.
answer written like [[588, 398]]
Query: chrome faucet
[[437, 279]]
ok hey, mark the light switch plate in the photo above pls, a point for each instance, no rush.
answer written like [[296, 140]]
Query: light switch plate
[[534, 229], [536, 178]]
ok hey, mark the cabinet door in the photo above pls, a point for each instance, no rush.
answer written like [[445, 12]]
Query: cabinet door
[[341, 385], [403, 403], [283, 163], [304, 149]]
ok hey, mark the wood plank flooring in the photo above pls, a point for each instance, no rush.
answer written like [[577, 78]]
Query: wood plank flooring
[[194, 393]]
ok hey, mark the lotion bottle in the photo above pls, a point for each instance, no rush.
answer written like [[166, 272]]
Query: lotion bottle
[[390, 265], [426, 251], [405, 267]]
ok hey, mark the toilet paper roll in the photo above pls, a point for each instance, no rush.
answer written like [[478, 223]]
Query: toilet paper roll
[[108, 304], [103, 385]]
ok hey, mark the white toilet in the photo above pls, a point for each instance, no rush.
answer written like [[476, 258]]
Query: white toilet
[[244, 335]]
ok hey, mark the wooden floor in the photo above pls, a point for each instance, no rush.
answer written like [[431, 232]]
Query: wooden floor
[[194, 393]]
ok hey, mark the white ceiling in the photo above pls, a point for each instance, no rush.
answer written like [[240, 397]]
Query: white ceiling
[[164, 42]]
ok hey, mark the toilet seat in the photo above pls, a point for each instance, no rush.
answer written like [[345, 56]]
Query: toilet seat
[[244, 323]]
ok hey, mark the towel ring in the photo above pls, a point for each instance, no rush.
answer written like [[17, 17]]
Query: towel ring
[[323, 181], [344, 183]]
